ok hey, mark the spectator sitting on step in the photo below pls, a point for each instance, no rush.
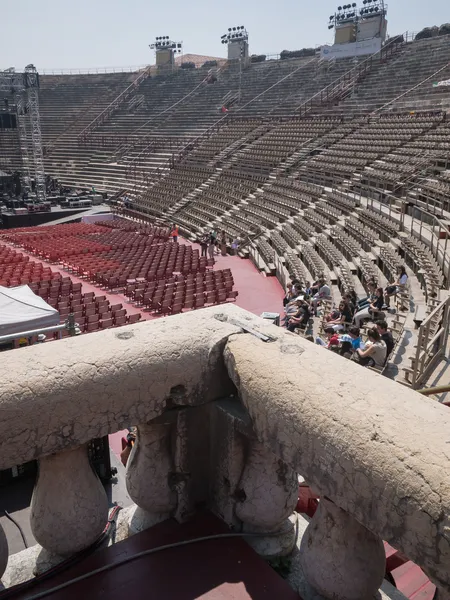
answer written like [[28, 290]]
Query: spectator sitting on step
[[364, 302], [301, 318], [345, 317], [291, 307], [386, 336], [316, 284], [350, 342], [396, 286], [371, 310], [374, 354], [332, 339], [290, 292], [323, 293], [350, 299]]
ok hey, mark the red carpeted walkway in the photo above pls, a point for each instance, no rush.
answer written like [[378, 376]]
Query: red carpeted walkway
[[257, 293]]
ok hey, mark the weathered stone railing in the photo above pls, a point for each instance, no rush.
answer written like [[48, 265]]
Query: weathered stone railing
[[227, 420]]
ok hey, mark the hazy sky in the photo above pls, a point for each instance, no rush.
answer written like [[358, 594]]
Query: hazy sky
[[96, 33]]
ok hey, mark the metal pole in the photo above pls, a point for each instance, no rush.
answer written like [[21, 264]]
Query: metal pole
[[31, 333]]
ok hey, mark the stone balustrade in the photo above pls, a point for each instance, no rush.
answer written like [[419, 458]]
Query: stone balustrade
[[226, 420]]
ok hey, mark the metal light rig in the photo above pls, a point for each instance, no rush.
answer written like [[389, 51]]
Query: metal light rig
[[25, 88]]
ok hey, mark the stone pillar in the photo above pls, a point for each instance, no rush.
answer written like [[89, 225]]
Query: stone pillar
[[266, 497], [340, 558], [69, 508], [148, 476], [4, 552]]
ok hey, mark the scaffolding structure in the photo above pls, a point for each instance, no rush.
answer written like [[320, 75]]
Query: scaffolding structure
[[25, 89]]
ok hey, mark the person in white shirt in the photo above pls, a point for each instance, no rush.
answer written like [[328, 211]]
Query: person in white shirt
[[396, 286], [323, 293]]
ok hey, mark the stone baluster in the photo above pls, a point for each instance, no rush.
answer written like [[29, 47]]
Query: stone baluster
[[69, 508], [266, 497], [340, 558], [148, 476], [4, 552]]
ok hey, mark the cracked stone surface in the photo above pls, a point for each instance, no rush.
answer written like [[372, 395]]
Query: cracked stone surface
[[340, 558], [69, 507], [377, 449], [56, 398], [268, 488], [149, 468], [297, 580]]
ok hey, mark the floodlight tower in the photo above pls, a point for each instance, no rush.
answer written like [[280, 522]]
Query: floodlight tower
[[345, 15], [165, 50], [237, 42]]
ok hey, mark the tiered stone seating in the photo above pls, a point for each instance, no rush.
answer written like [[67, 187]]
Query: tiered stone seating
[[364, 235], [68, 103], [282, 141], [266, 251], [296, 268], [314, 263], [10, 154], [344, 202], [405, 161], [229, 188], [351, 249], [173, 188], [424, 264], [318, 221], [336, 261], [369, 143], [279, 243], [408, 69], [227, 138], [386, 227], [330, 212]]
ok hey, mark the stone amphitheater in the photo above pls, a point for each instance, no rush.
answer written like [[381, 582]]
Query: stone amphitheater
[[336, 169]]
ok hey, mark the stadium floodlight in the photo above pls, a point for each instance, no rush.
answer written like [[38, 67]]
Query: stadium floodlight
[[235, 34]]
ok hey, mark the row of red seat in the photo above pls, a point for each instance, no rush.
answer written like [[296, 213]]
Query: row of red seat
[[91, 311]]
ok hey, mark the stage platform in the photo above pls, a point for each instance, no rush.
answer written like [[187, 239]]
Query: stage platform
[[56, 216]]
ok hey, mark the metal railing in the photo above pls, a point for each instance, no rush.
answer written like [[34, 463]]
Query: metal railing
[[346, 82], [431, 344], [114, 105], [411, 89], [92, 70], [126, 148]]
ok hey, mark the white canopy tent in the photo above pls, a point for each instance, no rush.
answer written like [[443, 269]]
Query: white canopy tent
[[22, 310]]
